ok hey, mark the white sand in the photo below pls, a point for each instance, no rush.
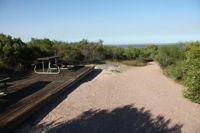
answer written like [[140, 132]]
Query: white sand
[[138, 86]]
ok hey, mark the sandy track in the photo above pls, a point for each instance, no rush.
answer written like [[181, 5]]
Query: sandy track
[[140, 99]]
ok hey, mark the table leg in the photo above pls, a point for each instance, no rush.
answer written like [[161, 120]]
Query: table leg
[[5, 87], [49, 67], [43, 66]]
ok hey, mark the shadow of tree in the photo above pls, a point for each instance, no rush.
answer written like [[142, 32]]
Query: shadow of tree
[[127, 119]]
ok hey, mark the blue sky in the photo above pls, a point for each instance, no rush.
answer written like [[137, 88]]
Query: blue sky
[[114, 21]]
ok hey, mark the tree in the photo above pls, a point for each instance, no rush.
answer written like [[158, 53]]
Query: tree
[[149, 52], [132, 53], [169, 55], [13, 51], [192, 71], [41, 47]]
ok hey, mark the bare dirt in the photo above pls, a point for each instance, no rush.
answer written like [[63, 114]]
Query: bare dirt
[[120, 99]]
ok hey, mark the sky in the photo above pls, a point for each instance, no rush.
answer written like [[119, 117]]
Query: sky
[[113, 21]]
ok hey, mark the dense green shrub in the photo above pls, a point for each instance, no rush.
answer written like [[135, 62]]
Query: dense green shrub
[[169, 55], [16, 54], [69, 52], [91, 51], [176, 71], [13, 52], [80, 52], [149, 52], [113, 53], [192, 72], [132, 53], [41, 47]]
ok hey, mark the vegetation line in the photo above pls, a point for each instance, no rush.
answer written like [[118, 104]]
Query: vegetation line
[[181, 61]]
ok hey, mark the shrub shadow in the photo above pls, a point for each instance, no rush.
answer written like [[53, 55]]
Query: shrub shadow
[[126, 119]]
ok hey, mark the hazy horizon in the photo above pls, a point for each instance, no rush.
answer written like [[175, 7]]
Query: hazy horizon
[[150, 43]]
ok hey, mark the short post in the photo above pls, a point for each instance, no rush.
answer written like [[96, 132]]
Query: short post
[[5, 87], [43, 66], [49, 66], [56, 61]]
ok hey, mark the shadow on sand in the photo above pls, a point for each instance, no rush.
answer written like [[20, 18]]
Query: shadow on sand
[[126, 119]]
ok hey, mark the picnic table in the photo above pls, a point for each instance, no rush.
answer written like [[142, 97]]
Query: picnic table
[[53, 66], [4, 80]]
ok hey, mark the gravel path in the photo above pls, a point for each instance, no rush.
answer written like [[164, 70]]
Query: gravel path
[[138, 99]]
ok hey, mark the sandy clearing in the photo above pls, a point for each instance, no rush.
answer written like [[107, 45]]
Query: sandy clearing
[[138, 87]]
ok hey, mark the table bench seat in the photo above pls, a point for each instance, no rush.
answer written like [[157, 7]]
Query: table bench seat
[[4, 80]]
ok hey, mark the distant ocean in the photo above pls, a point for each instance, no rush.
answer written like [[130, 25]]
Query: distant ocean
[[134, 46], [141, 45]]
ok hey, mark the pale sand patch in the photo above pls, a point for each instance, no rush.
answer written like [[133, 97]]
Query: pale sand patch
[[138, 86]]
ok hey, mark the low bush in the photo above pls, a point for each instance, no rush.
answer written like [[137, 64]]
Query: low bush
[[133, 63], [5, 69], [169, 55], [132, 53], [113, 53], [192, 72], [176, 71], [149, 52]]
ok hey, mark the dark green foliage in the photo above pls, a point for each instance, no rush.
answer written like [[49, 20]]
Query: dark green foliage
[[192, 71], [169, 55], [91, 51], [150, 52], [69, 51], [171, 59], [183, 63], [13, 52], [41, 47], [113, 53], [118, 53], [132, 53], [176, 70], [80, 52], [18, 55]]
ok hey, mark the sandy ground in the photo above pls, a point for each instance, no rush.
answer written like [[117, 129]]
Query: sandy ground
[[119, 99]]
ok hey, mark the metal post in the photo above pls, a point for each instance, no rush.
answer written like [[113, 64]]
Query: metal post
[[5, 85], [56, 61], [49, 66], [43, 66]]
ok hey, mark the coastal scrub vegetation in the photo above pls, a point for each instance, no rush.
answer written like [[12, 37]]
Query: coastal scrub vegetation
[[181, 61]]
